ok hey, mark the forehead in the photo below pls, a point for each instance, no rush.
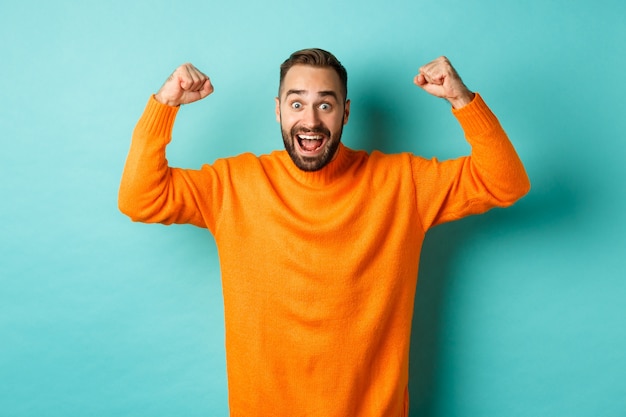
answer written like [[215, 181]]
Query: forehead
[[309, 79]]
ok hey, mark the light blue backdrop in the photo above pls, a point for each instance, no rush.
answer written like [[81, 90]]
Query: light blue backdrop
[[520, 312]]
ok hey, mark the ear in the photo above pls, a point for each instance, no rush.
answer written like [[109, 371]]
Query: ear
[[346, 112], [277, 109]]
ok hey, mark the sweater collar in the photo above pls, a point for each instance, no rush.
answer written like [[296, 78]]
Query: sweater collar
[[325, 176]]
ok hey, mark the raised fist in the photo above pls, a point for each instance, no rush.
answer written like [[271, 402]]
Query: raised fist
[[186, 85], [440, 79]]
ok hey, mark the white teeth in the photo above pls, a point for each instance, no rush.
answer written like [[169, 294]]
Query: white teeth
[[311, 137]]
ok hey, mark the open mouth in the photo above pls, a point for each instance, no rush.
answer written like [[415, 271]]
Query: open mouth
[[310, 143]]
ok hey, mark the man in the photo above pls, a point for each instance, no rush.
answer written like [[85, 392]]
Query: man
[[319, 244]]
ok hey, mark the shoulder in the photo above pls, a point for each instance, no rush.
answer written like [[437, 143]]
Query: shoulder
[[400, 160], [379, 166], [247, 165], [242, 160]]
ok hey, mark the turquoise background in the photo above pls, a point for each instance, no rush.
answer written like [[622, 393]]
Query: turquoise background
[[520, 312]]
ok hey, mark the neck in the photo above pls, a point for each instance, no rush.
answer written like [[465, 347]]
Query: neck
[[327, 174]]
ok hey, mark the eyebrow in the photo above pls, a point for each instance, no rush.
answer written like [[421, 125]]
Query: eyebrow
[[324, 93]]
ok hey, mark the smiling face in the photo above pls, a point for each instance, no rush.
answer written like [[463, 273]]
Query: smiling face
[[311, 111]]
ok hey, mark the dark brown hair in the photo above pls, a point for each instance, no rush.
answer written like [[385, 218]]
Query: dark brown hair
[[317, 58]]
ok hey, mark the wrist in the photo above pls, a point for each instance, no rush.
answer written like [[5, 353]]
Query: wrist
[[163, 100], [462, 100]]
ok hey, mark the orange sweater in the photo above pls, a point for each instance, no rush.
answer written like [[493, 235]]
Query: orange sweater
[[319, 269]]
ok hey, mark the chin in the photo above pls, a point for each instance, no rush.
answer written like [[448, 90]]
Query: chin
[[314, 162]]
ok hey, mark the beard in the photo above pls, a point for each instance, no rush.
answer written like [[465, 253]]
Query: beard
[[311, 163]]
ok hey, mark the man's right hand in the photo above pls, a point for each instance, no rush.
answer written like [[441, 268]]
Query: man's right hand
[[186, 85]]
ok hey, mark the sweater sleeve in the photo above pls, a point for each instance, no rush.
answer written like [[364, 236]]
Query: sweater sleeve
[[150, 190], [492, 176]]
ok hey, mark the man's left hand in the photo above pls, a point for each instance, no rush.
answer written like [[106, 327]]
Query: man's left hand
[[440, 79]]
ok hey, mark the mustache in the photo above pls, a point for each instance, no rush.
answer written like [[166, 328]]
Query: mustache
[[319, 129]]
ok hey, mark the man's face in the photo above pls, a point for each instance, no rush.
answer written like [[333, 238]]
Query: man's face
[[311, 111]]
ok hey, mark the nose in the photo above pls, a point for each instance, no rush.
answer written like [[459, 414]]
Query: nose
[[311, 117]]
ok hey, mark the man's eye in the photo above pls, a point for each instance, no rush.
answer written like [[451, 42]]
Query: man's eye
[[296, 105], [325, 106]]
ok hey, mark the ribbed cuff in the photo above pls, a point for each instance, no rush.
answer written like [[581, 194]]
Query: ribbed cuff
[[476, 118], [157, 119]]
